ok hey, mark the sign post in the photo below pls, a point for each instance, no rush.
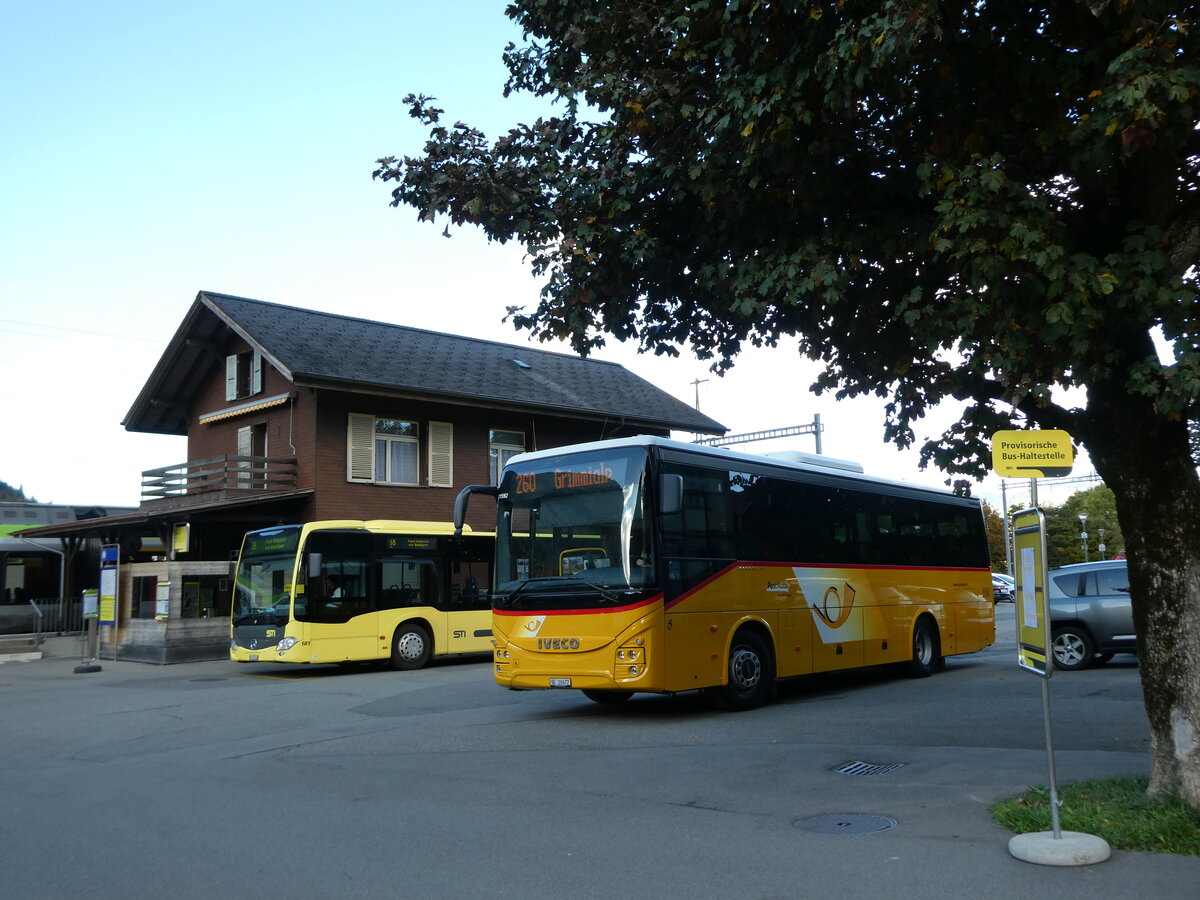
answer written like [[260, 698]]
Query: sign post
[[1034, 651], [109, 581], [91, 613], [1038, 454]]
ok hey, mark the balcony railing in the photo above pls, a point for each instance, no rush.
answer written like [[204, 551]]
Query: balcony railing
[[221, 473]]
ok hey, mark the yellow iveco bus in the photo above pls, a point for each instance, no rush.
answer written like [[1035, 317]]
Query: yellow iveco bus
[[340, 591], [645, 564]]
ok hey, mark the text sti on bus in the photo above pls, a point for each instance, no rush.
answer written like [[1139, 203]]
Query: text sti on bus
[[337, 591], [644, 564]]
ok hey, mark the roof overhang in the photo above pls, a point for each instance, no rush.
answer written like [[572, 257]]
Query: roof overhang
[[152, 518]]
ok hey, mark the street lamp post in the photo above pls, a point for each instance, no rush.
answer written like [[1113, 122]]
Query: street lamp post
[[1083, 534]]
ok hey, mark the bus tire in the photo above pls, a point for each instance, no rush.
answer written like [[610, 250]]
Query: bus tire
[[607, 696], [926, 649], [750, 673], [411, 646]]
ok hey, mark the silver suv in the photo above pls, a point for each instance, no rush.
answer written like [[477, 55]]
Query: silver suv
[[1090, 614]]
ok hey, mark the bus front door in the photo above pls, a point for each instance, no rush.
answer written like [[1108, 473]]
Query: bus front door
[[342, 620]]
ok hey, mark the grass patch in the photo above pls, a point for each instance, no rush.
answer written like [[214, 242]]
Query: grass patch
[[1116, 809]]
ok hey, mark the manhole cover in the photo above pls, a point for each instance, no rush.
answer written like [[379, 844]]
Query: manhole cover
[[857, 767], [846, 823]]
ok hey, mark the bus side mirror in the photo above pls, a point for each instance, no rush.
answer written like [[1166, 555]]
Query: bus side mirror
[[670, 494], [314, 565], [464, 496]]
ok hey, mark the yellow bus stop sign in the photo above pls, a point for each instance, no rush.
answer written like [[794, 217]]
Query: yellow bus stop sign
[[1032, 600], [1032, 454]]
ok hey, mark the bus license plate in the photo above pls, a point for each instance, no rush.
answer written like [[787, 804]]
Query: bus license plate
[[560, 682]]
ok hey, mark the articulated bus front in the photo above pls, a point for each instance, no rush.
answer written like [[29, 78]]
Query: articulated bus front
[[263, 627], [576, 603]]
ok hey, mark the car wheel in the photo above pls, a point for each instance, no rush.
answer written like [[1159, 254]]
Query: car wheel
[[926, 650], [751, 673], [607, 696], [1072, 647], [411, 646]]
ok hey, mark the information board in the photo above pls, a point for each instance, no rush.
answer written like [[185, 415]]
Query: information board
[[109, 557], [1033, 608], [1032, 454]]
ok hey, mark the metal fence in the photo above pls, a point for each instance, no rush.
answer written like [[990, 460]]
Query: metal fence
[[43, 616]]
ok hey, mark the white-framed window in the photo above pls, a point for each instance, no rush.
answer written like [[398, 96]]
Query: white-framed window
[[243, 375], [388, 451], [501, 446], [397, 451]]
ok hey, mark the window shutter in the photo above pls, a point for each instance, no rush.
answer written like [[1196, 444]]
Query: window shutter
[[231, 377], [256, 374], [441, 454], [245, 448], [360, 448]]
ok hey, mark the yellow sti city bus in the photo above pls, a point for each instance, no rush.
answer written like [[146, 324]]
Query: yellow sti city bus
[[340, 591], [644, 564]]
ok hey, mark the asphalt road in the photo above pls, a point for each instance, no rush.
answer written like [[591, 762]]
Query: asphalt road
[[264, 781]]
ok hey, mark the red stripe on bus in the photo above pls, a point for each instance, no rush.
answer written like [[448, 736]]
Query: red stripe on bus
[[740, 564], [722, 572], [705, 583], [577, 612], [874, 567]]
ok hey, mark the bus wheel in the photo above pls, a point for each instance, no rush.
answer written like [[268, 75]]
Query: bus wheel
[[750, 674], [607, 696], [926, 654], [411, 646]]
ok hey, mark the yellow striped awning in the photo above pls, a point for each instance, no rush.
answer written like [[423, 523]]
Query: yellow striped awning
[[242, 408]]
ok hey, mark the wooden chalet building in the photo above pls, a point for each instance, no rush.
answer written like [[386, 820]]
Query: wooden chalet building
[[294, 415]]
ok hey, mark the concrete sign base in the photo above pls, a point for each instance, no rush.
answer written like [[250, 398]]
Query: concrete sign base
[[1072, 848]]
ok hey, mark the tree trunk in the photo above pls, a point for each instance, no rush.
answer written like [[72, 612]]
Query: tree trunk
[[1144, 458]]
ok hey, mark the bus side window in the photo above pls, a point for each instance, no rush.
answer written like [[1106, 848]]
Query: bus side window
[[408, 581], [468, 588], [394, 577]]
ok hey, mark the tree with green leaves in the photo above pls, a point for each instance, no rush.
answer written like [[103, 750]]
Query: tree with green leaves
[[978, 202], [994, 524], [1063, 527]]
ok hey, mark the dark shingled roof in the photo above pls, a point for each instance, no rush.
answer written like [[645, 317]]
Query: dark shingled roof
[[330, 351]]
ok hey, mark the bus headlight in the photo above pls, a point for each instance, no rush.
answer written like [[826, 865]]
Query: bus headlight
[[631, 659], [286, 644]]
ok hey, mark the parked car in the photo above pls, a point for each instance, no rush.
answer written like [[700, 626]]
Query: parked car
[[1004, 588], [1090, 613]]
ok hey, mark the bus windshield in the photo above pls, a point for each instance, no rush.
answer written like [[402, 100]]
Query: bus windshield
[[264, 575], [573, 527]]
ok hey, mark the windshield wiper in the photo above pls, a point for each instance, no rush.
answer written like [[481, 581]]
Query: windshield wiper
[[531, 585], [522, 588], [607, 593]]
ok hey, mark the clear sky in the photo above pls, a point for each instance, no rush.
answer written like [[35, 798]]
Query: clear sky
[[155, 150]]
